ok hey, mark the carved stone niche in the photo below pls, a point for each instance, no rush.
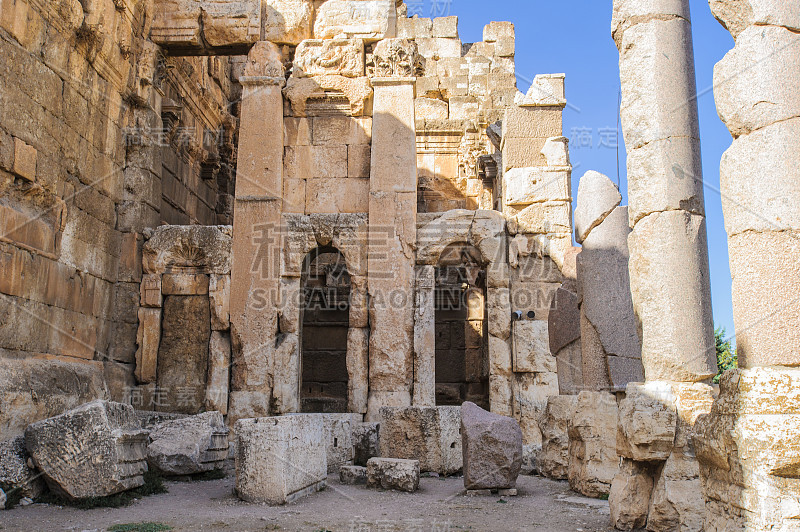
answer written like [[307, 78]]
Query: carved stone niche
[[344, 57], [396, 58]]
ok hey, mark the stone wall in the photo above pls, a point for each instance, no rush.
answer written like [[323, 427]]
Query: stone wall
[[81, 178]]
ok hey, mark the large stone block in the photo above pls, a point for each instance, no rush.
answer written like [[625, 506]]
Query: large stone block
[[593, 461], [760, 180], [94, 450], [393, 474], [671, 296], [771, 58], [553, 460], [648, 420], [766, 270], [371, 20], [747, 451], [536, 185], [190, 445], [207, 248], [342, 57], [737, 15], [532, 347], [288, 21], [430, 435], [629, 499], [16, 477], [207, 26], [280, 459], [492, 449]]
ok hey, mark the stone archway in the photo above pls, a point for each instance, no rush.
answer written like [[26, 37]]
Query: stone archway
[[485, 231]]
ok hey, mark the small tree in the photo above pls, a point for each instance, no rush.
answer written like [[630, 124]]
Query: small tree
[[726, 354]]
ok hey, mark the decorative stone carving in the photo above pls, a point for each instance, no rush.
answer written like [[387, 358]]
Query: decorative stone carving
[[300, 90], [205, 248], [396, 58], [365, 19], [94, 450], [344, 57]]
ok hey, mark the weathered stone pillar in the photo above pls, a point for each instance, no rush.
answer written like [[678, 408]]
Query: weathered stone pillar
[[255, 274], [748, 445], [668, 268], [392, 226], [425, 338]]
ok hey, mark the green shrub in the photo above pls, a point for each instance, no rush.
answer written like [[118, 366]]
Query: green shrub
[[726, 353]]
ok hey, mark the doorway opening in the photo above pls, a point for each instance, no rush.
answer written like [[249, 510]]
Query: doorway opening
[[462, 362], [325, 320]]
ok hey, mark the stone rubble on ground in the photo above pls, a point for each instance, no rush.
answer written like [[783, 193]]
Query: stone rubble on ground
[[188, 446], [393, 474]]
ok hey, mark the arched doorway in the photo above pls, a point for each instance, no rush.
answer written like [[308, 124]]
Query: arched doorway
[[462, 362], [325, 320]]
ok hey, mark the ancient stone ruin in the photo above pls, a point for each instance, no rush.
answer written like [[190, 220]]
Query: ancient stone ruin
[[315, 241]]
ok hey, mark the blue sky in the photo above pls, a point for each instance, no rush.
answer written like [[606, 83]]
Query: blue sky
[[574, 37]]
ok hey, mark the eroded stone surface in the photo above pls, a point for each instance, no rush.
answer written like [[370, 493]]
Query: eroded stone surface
[[393, 474], [15, 475], [94, 450], [492, 449], [190, 445], [430, 435], [597, 197], [279, 459], [553, 460], [593, 461]]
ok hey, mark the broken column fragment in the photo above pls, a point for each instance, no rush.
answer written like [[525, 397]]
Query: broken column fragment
[[610, 348], [94, 450]]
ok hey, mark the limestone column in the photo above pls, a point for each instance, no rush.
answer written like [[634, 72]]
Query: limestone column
[[668, 267], [748, 445], [392, 226], [255, 268], [425, 338], [668, 248]]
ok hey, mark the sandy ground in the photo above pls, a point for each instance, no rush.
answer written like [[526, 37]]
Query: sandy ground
[[439, 505]]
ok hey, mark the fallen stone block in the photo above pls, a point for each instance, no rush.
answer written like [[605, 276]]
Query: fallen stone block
[[428, 434], [393, 474], [648, 420], [149, 419], [2, 500], [366, 442], [492, 448], [280, 459], [94, 450], [15, 475], [349, 474], [195, 444]]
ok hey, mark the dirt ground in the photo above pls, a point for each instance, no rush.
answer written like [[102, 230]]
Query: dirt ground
[[439, 505]]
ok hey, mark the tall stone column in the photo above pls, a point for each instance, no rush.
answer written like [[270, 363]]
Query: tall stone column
[[748, 445], [255, 268], [392, 226], [658, 482]]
